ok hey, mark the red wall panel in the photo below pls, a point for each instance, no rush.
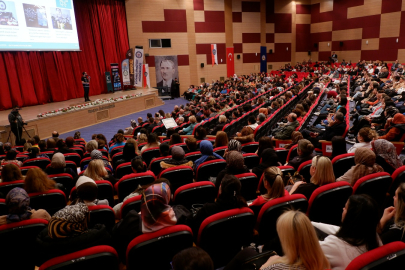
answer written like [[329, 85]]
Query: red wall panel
[[283, 23], [303, 34], [236, 16], [389, 6], [251, 58], [237, 48], [251, 37], [198, 4], [175, 22], [303, 9], [270, 38], [280, 53], [183, 60], [250, 6], [348, 45], [214, 23]]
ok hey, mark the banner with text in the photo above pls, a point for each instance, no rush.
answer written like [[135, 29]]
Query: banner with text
[[263, 59], [146, 78], [138, 61], [214, 54], [115, 74], [230, 62], [130, 56], [125, 72]]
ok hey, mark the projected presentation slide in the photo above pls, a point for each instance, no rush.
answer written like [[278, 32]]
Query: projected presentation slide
[[38, 25]]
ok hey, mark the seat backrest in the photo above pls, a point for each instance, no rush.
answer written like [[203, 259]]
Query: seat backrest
[[3, 207], [375, 185], [178, 176], [220, 150], [342, 163], [16, 233], [223, 234], [39, 162], [154, 165], [85, 161], [270, 212], [73, 157], [150, 153], [133, 203], [97, 257], [116, 150], [326, 202], [398, 177], [25, 169], [281, 154], [304, 170], [105, 191], [249, 182], [389, 256], [193, 156], [102, 214], [292, 152], [250, 147], [130, 182], [251, 160], [195, 193], [286, 170], [5, 187], [123, 170], [210, 169], [167, 242], [52, 200]]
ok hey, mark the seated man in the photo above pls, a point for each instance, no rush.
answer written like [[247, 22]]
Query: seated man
[[285, 132]]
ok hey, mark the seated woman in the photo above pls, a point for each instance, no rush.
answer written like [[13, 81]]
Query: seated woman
[[129, 151], [9, 173], [207, 152], [273, 182], [269, 158], [96, 171], [91, 145], [86, 191], [176, 160], [191, 144], [68, 228], [264, 143], [175, 139], [386, 155], [18, 205], [233, 145], [152, 142], [34, 152], [355, 236], [119, 141], [392, 223], [221, 123], [96, 154], [10, 159], [200, 133], [58, 165], [295, 137], [156, 214], [245, 136], [364, 138], [364, 158], [38, 181], [189, 130], [221, 139], [229, 198], [305, 151], [395, 128], [234, 165], [321, 174]]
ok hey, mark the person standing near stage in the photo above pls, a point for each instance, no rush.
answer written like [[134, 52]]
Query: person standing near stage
[[86, 86], [175, 88], [16, 124]]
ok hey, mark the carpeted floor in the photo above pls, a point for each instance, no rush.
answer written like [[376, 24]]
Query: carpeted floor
[[111, 127]]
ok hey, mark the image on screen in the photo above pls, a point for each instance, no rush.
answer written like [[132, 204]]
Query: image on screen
[[35, 16], [61, 19], [8, 15]]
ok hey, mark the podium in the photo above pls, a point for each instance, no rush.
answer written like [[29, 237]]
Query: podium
[[164, 92]]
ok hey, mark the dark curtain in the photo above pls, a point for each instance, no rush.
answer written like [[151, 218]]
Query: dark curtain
[[31, 78]]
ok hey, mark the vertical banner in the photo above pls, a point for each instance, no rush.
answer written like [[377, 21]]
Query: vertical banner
[[263, 59], [125, 72], [230, 62], [138, 62], [115, 74], [108, 82], [146, 78], [214, 54], [130, 57]]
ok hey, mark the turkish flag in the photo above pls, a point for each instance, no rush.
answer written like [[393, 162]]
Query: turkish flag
[[230, 62]]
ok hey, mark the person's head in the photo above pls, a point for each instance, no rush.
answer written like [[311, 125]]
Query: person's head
[[36, 139], [229, 191], [251, 120], [96, 170], [11, 172], [399, 204], [299, 242], [234, 160], [42, 145], [58, 161], [137, 165], [11, 155], [69, 221], [292, 117], [177, 153], [234, 145], [77, 135], [86, 189], [321, 171], [222, 119], [119, 137], [366, 134], [70, 142], [305, 148], [152, 138], [364, 158], [193, 258], [18, 205], [130, 150], [273, 182], [175, 139], [360, 219], [191, 144], [50, 143], [264, 143], [338, 146], [37, 181], [206, 148], [221, 139], [246, 131], [140, 120], [33, 152], [192, 119], [167, 69], [91, 145], [55, 134], [200, 133], [164, 149], [142, 138], [339, 117]]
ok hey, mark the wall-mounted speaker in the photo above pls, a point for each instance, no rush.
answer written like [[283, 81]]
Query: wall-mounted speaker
[[146, 54], [341, 43], [309, 52], [316, 45], [238, 56], [270, 51], [202, 65]]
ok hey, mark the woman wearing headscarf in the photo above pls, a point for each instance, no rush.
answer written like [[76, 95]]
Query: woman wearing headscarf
[[58, 165], [269, 159], [96, 154], [177, 159], [68, 228], [364, 158], [206, 150], [235, 165], [233, 145], [396, 128], [386, 155], [17, 203]]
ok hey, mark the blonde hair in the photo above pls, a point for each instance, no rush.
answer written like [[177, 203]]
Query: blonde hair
[[274, 176], [27, 146], [91, 145], [142, 138], [96, 170], [299, 242], [192, 119], [222, 119], [324, 171]]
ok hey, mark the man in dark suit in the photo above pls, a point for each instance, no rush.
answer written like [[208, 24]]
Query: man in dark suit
[[167, 70], [334, 57], [175, 88]]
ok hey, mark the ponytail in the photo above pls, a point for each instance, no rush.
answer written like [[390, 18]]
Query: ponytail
[[274, 176]]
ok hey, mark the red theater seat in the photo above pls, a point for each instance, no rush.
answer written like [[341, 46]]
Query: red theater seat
[[210, 169], [130, 182], [178, 176], [195, 193], [375, 185]]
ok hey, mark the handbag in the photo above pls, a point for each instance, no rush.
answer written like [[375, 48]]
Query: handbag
[[255, 262]]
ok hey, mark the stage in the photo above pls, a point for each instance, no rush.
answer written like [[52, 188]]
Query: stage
[[76, 119]]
